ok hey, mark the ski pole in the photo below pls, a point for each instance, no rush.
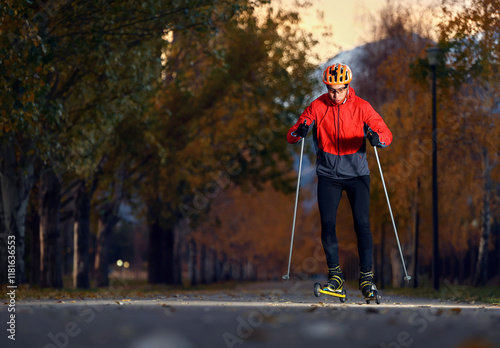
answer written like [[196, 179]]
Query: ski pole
[[407, 277], [287, 275]]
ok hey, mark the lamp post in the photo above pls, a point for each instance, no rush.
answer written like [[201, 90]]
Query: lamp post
[[432, 56]]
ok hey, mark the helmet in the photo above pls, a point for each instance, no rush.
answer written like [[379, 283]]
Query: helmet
[[337, 74]]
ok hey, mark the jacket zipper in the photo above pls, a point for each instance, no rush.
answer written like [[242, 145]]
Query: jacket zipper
[[338, 141]]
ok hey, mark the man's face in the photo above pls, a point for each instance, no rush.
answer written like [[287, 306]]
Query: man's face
[[337, 93]]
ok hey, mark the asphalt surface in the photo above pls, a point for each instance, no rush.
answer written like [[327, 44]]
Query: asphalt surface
[[281, 314]]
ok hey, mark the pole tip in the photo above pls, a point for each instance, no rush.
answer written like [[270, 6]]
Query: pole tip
[[408, 278], [286, 277]]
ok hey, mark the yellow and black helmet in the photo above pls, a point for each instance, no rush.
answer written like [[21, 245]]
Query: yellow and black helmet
[[337, 74]]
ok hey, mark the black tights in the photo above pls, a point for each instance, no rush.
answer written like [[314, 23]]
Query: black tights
[[358, 193]]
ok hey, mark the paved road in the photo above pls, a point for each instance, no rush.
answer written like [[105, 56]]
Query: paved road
[[262, 315]]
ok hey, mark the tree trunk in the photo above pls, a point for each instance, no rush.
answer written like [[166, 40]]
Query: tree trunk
[[169, 255], [16, 180], [101, 260], [497, 249], [155, 251], [383, 257], [49, 199], [229, 268], [216, 267], [242, 270], [3, 243], [108, 218], [67, 235], [81, 264], [162, 253], [482, 258], [33, 235], [192, 263], [473, 257], [203, 266], [397, 268], [178, 257], [67, 224], [417, 231]]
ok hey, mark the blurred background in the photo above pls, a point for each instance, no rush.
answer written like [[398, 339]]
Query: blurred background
[[147, 139]]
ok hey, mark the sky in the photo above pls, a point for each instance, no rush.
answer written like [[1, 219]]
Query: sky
[[348, 21]]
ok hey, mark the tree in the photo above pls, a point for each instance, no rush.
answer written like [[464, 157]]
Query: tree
[[400, 35], [50, 266], [226, 102], [69, 69], [470, 36], [23, 87]]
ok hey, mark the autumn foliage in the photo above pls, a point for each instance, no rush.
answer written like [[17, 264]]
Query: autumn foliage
[[171, 117]]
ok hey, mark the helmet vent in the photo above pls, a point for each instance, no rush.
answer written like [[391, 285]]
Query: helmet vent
[[337, 74]]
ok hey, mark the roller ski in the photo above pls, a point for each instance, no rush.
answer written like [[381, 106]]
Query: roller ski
[[368, 288], [334, 287]]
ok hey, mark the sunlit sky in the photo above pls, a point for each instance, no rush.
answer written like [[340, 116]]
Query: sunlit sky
[[349, 21]]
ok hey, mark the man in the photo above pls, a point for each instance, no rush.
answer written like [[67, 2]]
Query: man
[[340, 121]]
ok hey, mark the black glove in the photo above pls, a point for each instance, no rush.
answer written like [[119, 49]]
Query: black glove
[[373, 138], [302, 130]]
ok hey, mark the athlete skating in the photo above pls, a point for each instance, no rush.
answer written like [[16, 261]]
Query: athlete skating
[[341, 122]]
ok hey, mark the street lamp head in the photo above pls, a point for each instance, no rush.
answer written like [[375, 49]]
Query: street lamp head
[[432, 55]]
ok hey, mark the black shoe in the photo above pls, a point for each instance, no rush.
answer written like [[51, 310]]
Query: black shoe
[[366, 285], [335, 280]]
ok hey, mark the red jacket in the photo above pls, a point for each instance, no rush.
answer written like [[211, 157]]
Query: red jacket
[[339, 134]]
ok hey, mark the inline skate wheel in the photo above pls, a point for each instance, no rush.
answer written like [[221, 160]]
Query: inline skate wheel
[[317, 287]]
